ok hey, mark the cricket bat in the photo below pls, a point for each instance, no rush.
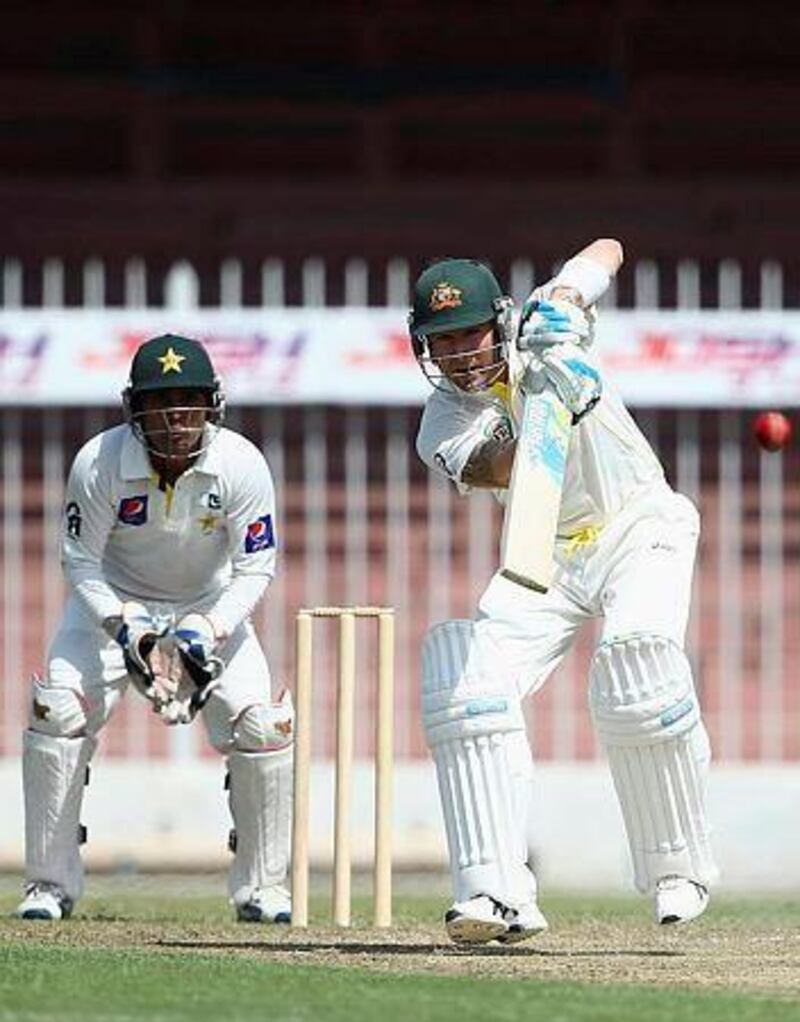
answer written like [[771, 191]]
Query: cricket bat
[[534, 492]]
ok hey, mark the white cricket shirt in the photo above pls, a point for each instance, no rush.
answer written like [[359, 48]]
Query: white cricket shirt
[[208, 543], [609, 459]]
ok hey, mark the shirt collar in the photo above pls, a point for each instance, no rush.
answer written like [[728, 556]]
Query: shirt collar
[[135, 462]]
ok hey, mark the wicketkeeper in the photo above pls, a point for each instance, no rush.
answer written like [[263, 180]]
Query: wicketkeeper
[[168, 545], [624, 554]]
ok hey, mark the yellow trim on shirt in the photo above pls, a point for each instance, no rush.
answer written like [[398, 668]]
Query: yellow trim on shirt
[[502, 391], [583, 537], [169, 496]]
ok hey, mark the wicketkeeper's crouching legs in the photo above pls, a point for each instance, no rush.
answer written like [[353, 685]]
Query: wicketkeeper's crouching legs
[[647, 716], [476, 734], [259, 744], [56, 750]]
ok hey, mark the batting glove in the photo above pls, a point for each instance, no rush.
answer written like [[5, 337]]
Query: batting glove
[[546, 323], [577, 383]]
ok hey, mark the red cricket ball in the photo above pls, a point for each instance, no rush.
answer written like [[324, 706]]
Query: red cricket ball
[[772, 430]]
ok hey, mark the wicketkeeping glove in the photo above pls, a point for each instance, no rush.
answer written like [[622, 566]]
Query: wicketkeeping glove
[[546, 323], [577, 383], [137, 633], [196, 643]]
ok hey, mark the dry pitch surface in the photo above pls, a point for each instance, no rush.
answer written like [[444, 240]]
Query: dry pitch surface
[[742, 945]]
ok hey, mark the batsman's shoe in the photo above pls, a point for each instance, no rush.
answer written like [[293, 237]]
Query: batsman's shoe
[[476, 921], [481, 919], [44, 901], [679, 900], [523, 923], [264, 905]]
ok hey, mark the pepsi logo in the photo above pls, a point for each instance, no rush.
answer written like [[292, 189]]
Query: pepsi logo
[[259, 535], [133, 510]]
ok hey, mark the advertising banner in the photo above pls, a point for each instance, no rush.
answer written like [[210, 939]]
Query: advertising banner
[[363, 356]]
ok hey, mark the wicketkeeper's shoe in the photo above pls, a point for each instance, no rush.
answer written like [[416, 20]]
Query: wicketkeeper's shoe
[[44, 901], [482, 919], [264, 905], [679, 900]]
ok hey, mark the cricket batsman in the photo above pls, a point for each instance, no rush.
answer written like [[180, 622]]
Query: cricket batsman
[[168, 545], [624, 553]]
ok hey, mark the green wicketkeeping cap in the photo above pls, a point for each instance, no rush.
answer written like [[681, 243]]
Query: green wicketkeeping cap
[[171, 361], [453, 294]]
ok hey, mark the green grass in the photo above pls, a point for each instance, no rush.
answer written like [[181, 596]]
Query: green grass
[[43, 984], [145, 949], [773, 909]]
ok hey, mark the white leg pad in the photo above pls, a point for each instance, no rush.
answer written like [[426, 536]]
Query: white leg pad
[[476, 734], [57, 711], [647, 716], [261, 807], [53, 779]]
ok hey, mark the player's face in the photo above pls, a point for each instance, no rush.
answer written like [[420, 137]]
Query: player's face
[[470, 358], [173, 420]]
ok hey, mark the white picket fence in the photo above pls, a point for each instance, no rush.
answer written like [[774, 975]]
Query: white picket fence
[[180, 286]]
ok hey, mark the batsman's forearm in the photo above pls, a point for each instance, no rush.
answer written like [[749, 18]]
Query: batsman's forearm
[[605, 251], [585, 277], [489, 465]]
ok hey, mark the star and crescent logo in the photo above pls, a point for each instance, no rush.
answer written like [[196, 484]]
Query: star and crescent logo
[[208, 522], [445, 296], [171, 361]]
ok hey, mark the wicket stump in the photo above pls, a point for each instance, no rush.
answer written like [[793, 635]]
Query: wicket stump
[[345, 722]]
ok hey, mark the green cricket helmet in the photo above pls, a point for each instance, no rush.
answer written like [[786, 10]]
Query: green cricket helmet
[[455, 294], [171, 361], [165, 363]]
